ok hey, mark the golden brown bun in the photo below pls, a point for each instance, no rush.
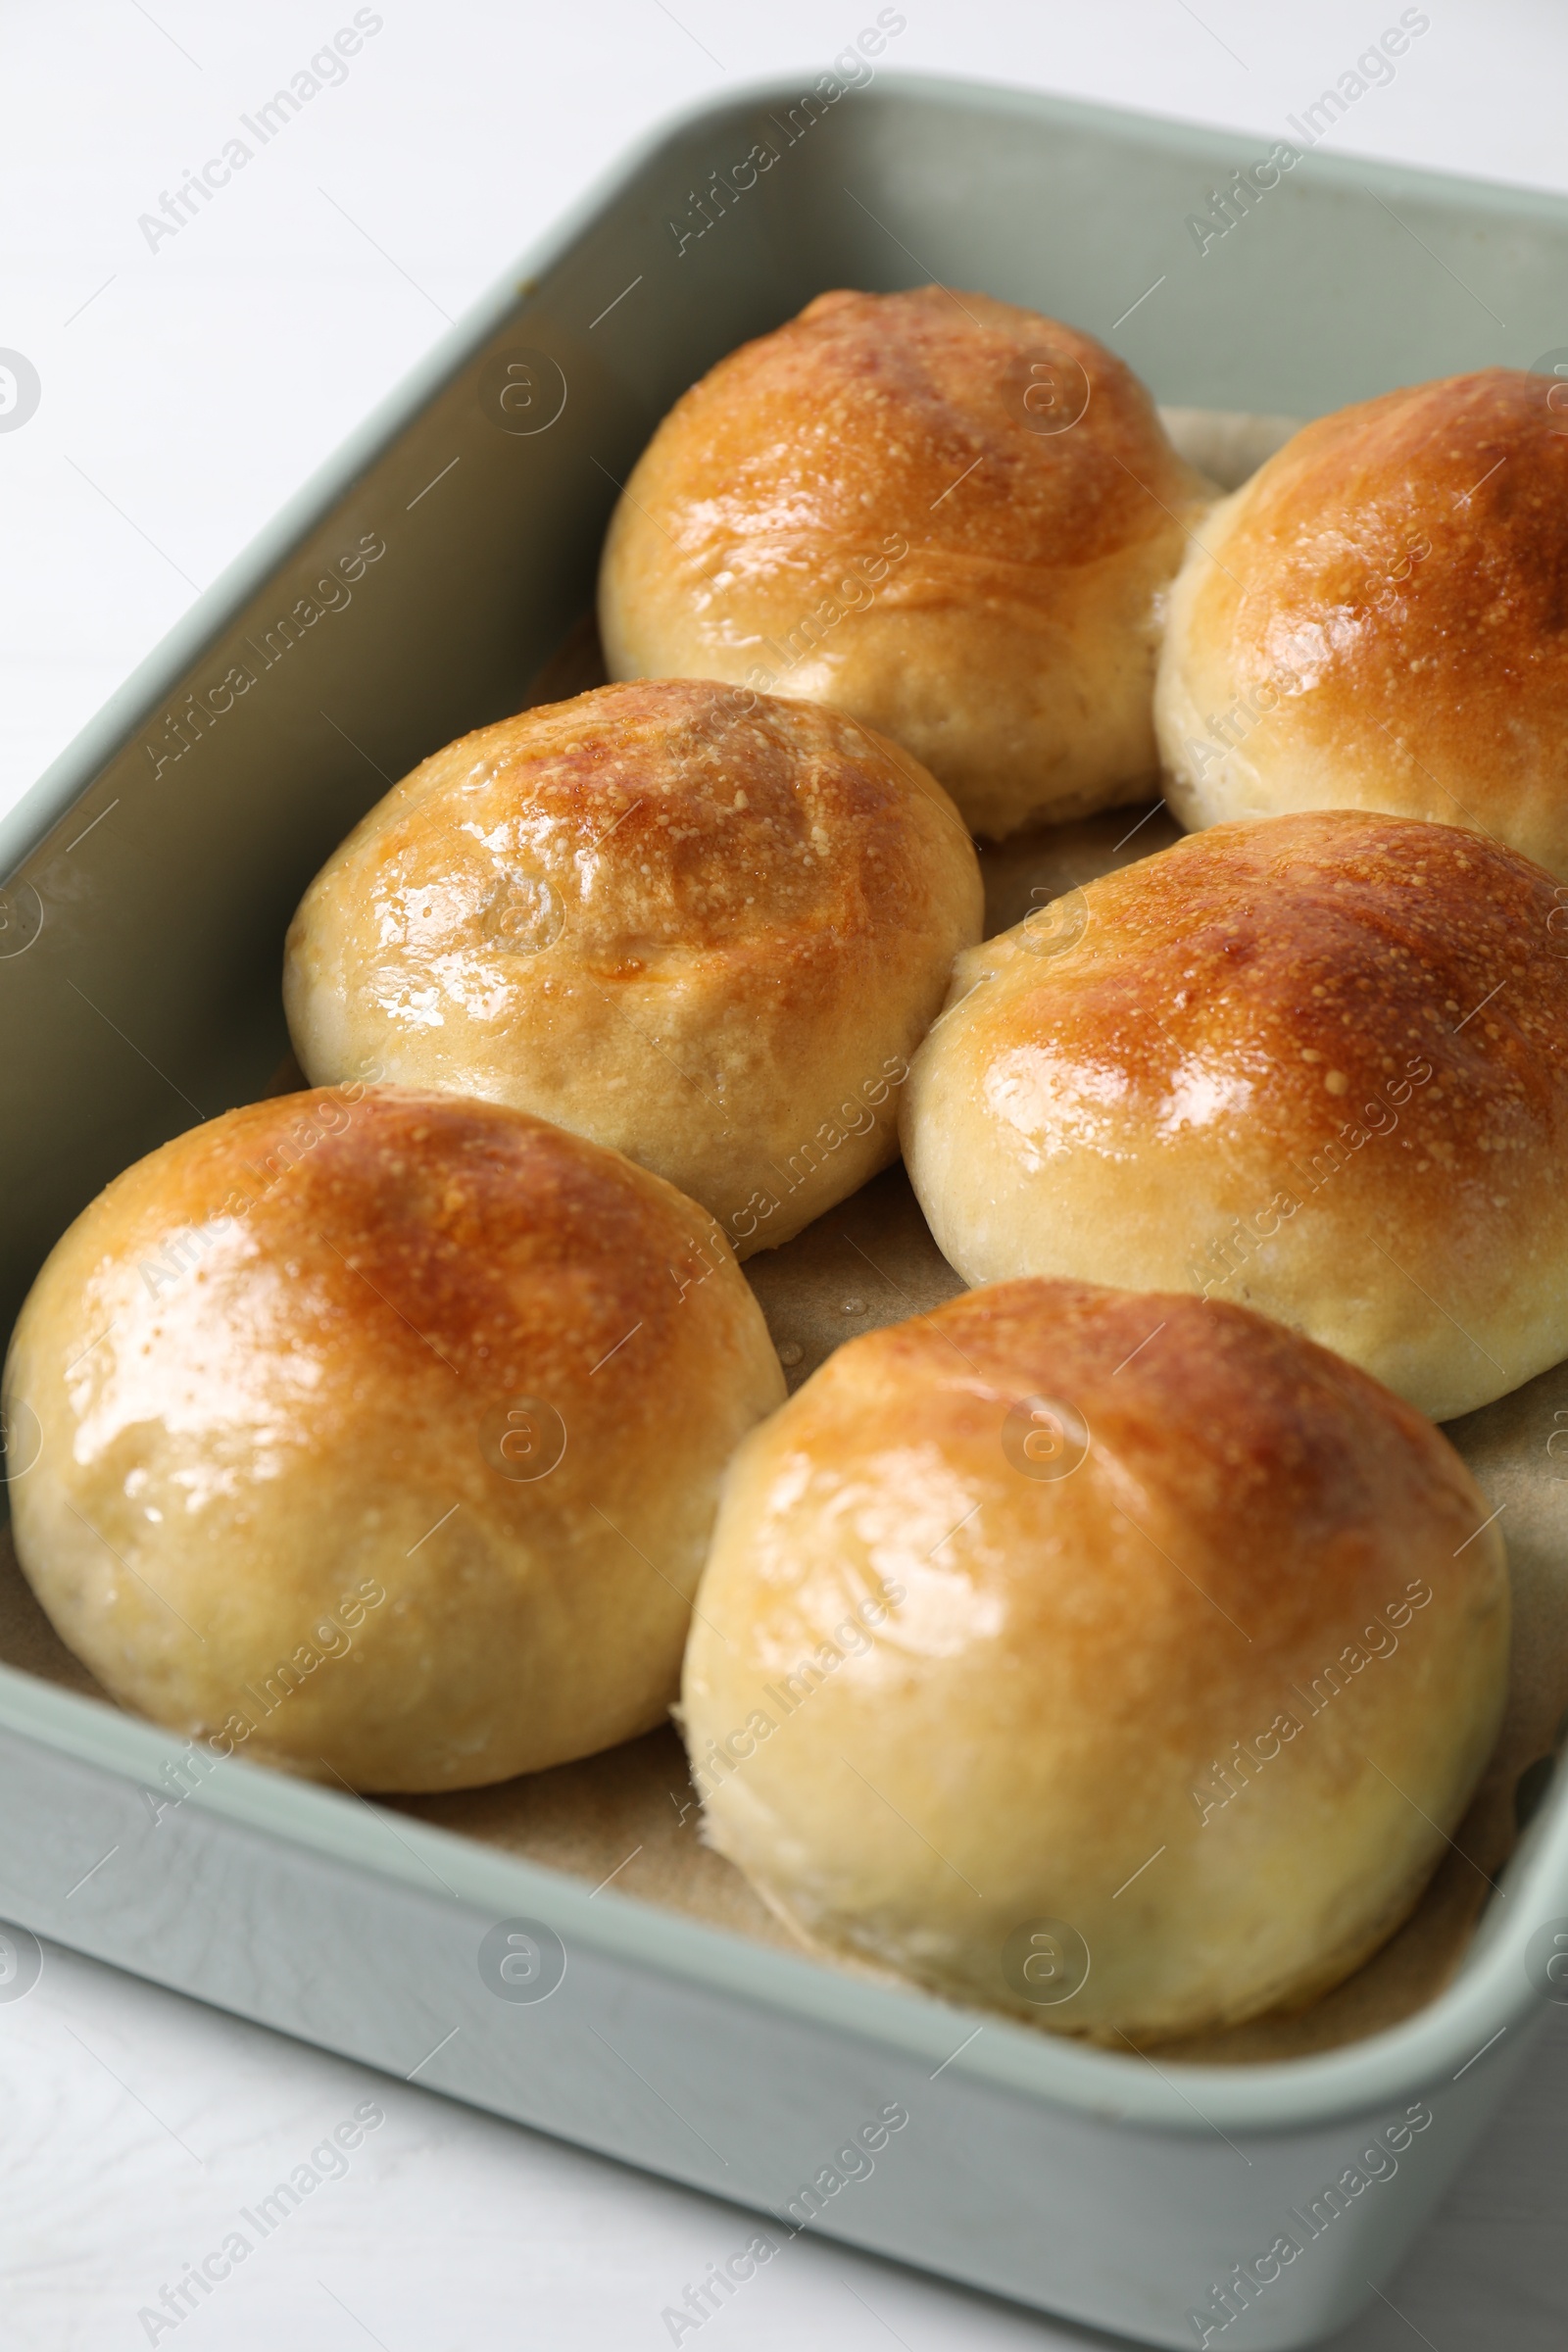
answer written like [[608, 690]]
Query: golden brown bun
[[862, 508], [382, 1435], [704, 927], [1319, 1063], [992, 1602], [1375, 620]]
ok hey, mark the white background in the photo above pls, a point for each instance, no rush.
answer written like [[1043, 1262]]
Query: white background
[[185, 392]]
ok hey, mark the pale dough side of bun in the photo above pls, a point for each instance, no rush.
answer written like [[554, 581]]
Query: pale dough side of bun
[[949, 516], [1068, 1624], [1375, 620], [1317, 1065], [380, 1437], [705, 927]]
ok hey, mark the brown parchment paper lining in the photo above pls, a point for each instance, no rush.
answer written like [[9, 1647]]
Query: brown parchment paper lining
[[628, 1818]]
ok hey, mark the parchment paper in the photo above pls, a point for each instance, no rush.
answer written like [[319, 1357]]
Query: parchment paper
[[628, 1817]]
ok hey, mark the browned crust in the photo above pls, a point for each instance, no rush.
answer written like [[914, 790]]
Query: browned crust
[[1400, 573], [426, 1239], [1312, 968], [1266, 1464], [700, 924], [744, 826], [856, 419], [433, 1351], [1252, 1548]]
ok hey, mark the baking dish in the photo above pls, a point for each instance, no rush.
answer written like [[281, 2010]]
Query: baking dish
[[409, 593]]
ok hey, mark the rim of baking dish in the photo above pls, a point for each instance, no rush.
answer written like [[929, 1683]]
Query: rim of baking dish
[[1491, 1996], [1489, 1999]]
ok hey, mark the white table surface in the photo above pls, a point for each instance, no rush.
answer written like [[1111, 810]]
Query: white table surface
[[185, 391]]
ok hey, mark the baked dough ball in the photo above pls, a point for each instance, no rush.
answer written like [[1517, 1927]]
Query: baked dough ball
[[1375, 621], [1121, 1660], [949, 516], [380, 1436], [1317, 1065], [703, 926]]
